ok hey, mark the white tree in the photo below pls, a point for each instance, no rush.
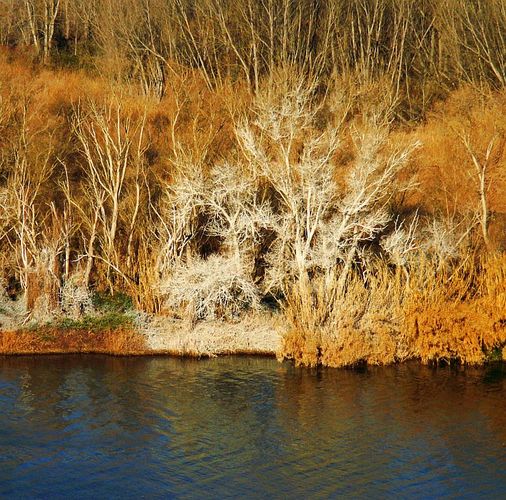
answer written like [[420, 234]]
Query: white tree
[[31, 226], [299, 171], [481, 173], [229, 209], [41, 17], [111, 143], [323, 220]]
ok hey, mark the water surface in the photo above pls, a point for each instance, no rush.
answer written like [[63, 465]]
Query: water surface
[[96, 426]]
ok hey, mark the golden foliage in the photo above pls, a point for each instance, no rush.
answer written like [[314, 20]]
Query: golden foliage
[[455, 315], [424, 308]]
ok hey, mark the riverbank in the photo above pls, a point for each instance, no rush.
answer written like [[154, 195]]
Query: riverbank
[[436, 316], [256, 334], [50, 340], [309, 194], [252, 335]]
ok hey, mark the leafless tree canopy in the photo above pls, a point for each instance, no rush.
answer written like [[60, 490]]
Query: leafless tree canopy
[[422, 48]]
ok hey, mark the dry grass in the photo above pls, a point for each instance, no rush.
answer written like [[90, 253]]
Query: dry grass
[[456, 315], [48, 340], [336, 328], [460, 314], [256, 333]]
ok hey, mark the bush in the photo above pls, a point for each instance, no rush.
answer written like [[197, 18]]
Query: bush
[[216, 287], [110, 321]]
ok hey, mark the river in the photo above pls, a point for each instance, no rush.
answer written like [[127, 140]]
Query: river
[[104, 427]]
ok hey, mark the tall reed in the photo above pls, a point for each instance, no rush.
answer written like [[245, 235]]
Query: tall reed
[[454, 314]]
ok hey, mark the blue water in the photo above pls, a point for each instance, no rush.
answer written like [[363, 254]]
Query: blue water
[[102, 427]]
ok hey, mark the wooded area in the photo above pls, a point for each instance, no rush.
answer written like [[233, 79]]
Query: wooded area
[[209, 158]]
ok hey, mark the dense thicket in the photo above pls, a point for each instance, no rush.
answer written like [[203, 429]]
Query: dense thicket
[[210, 157]]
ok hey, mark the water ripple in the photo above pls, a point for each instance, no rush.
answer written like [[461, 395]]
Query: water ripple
[[92, 426]]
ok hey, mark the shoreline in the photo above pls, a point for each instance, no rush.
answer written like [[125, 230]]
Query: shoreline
[[147, 354], [264, 334], [154, 336], [238, 354], [133, 343]]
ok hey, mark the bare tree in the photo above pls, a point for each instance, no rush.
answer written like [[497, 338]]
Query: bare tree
[[322, 222], [36, 231], [483, 162], [41, 16], [178, 215], [110, 144], [224, 205]]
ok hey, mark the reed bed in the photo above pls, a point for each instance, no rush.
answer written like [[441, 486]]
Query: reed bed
[[434, 315]]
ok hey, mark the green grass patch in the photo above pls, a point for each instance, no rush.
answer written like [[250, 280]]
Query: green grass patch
[[107, 303], [108, 321]]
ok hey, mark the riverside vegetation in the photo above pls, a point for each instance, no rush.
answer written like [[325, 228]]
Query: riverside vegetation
[[321, 180]]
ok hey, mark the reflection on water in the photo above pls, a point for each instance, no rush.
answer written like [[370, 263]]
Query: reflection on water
[[92, 426]]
